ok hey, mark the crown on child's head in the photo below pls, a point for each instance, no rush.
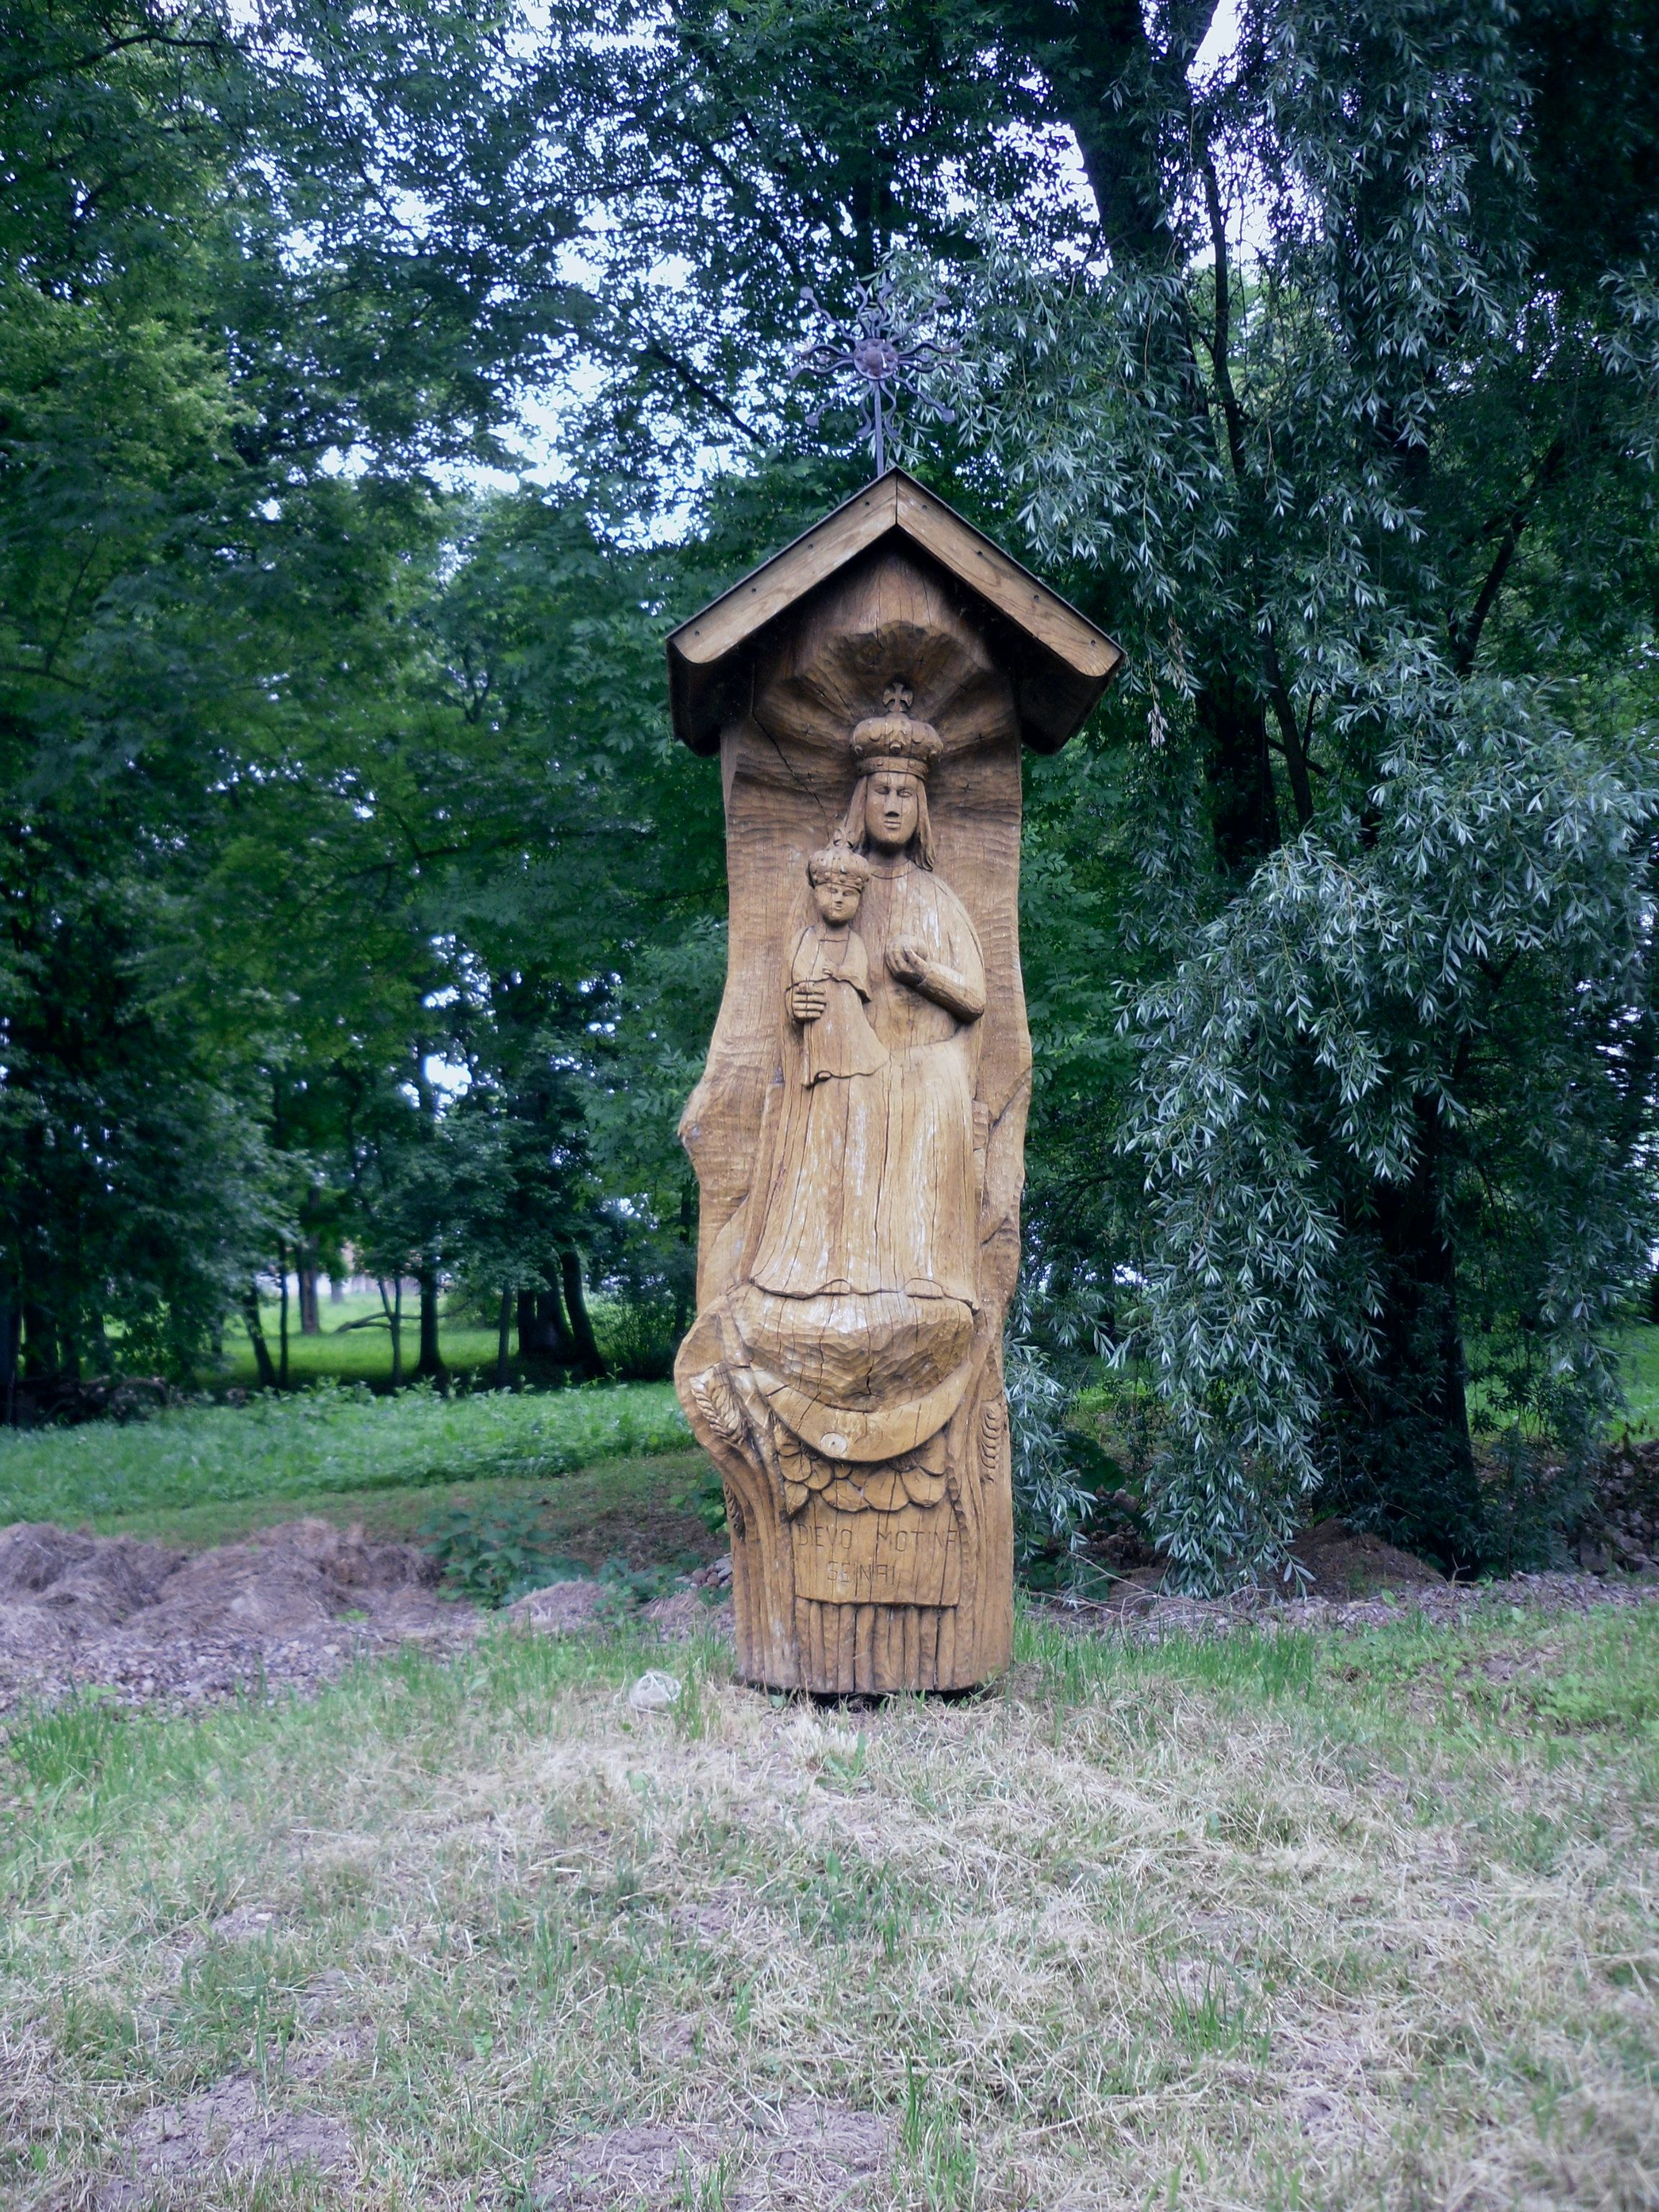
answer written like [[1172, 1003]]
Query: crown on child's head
[[838, 863], [893, 741]]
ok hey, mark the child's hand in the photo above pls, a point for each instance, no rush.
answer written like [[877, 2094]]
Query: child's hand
[[807, 1000]]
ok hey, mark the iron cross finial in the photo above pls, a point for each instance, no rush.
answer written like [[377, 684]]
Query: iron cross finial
[[886, 355]]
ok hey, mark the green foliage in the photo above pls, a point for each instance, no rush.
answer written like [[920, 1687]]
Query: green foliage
[[495, 1554], [312, 781], [1052, 1499], [1387, 906], [1416, 956], [626, 1587], [640, 1334], [707, 1499]]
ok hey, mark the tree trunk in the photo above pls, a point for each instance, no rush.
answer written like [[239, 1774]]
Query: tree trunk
[[11, 1328], [544, 1341], [281, 1315], [1406, 1456], [429, 1366], [310, 1321], [581, 1329], [256, 1337], [335, 1291], [503, 1342], [39, 1342], [1243, 805], [553, 1337], [1109, 83], [394, 1313]]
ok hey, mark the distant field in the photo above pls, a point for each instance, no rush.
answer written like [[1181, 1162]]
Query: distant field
[[355, 1342], [1639, 1367]]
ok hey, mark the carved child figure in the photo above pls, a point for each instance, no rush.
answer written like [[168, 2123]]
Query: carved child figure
[[830, 973]]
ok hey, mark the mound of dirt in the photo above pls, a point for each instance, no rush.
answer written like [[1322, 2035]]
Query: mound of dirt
[[1621, 1529], [1351, 1580], [559, 1609], [1338, 1564], [287, 1608], [1341, 1563]]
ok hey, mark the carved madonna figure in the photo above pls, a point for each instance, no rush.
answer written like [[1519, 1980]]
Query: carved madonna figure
[[858, 1131], [857, 1306]]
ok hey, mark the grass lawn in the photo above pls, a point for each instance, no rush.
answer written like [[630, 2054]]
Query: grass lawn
[[1641, 1378], [1265, 1923], [206, 1473]]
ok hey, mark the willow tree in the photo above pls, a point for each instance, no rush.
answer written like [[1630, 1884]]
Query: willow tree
[[1353, 420]]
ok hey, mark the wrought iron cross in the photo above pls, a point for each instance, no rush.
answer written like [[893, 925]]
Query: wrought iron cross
[[887, 354]]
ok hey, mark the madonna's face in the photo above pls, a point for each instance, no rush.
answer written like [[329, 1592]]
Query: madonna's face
[[889, 811]]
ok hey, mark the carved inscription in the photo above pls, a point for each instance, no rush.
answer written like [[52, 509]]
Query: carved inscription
[[912, 1556]]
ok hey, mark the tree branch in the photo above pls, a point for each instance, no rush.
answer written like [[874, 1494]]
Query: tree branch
[[1296, 752], [20, 80], [1217, 345], [688, 376], [1292, 744], [1466, 637]]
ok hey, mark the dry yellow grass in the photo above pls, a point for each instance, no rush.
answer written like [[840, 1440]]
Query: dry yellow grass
[[1258, 1923]]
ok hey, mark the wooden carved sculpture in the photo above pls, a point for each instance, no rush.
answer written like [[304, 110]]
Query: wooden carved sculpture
[[858, 1133]]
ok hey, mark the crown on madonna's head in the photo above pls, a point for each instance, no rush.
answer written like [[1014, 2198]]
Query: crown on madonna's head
[[838, 863], [893, 741]]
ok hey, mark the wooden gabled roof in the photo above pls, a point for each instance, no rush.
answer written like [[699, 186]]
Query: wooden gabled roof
[[1066, 662]]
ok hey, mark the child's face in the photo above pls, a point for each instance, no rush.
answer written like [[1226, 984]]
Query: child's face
[[837, 899]]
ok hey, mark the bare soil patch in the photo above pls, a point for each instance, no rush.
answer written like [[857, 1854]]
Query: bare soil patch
[[816, 2154], [225, 2132], [559, 1609], [811, 2153], [287, 1609]]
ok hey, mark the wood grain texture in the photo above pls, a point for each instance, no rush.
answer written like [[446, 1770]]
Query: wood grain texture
[[1012, 590], [860, 1187], [755, 601]]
